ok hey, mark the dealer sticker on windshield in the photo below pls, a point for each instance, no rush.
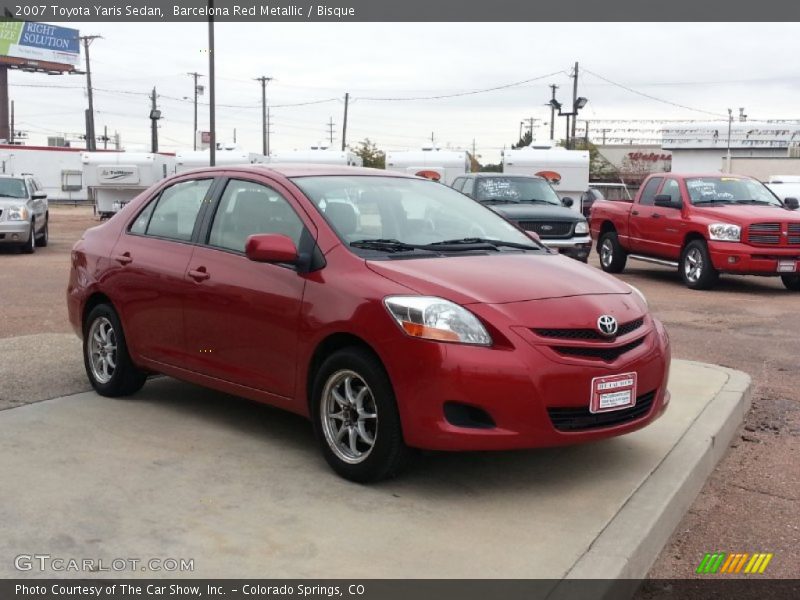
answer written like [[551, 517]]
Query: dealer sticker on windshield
[[787, 266], [613, 392]]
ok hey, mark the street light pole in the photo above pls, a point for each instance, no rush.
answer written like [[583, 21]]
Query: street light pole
[[264, 80], [730, 124], [212, 117], [195, 75]]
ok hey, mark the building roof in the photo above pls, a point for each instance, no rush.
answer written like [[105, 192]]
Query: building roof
[[744, 134]]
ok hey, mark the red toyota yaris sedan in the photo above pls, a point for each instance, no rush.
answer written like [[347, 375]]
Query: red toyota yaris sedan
[[393, 311]]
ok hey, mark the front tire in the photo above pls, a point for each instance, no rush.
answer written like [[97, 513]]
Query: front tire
[[355, 417], [29, 247], [612, 255], [44, 238], [792, 282], [697, 270], [105, 355]]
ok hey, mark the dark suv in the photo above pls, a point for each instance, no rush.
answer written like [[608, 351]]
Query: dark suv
[[532, 204]]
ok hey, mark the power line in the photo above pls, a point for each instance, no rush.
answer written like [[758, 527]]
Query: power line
[[633, 91], [467, 93]]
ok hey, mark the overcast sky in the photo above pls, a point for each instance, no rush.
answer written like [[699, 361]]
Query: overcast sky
[[704, 67]]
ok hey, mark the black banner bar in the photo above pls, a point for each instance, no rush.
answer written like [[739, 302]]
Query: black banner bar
[[403, 11]]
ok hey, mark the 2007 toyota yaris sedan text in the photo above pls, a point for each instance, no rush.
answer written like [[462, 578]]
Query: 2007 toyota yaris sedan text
[[393, 311]]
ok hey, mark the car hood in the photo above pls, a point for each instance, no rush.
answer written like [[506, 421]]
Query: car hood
[[518, 212], [7, 202], [749, 213], [498, 278]]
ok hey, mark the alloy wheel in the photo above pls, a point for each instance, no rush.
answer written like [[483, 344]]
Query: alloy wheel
[[349, 416], [694, 265], [606, 252], [102, 350]]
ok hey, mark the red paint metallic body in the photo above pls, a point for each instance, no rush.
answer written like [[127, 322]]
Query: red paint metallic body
[[256, 329]]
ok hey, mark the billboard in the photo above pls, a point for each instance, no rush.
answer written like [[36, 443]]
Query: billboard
[[39, 42]]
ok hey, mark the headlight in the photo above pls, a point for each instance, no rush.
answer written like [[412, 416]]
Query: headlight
[[438, 319], [17, 213], [724, 232], [639, 293], [582, 227]]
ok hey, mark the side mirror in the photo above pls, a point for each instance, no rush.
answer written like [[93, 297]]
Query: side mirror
[[665, 201], [39, 195], [791, 203], [270, 248], [567, 201]]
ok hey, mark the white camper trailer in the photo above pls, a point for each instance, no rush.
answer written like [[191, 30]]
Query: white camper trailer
[[223, 157], [431, 163], [58, 169], [566, 170], [318, 156], [114, 178]]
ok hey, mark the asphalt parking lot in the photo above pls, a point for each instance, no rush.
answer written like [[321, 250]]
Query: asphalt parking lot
[[749, 503]]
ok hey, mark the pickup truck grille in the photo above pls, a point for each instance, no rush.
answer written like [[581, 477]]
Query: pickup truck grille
[[588, 334], [773, 234], [549, 229]]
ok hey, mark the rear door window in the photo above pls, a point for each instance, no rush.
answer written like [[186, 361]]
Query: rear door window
[[175, 212]]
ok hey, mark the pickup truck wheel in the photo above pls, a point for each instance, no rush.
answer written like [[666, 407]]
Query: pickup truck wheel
[[697, 270], [792, 282], [44, 236], [30, 246], [612, 256]]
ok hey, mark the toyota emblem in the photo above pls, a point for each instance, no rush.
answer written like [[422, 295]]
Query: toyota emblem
[[607, 325]]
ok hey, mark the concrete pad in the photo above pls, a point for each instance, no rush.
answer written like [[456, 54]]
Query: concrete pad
[[182, 472]]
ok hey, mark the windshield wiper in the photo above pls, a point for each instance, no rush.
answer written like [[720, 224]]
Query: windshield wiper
[[499, 200], [750, 201], [471, 243], [386, 245], [714, 201], [539, 201]]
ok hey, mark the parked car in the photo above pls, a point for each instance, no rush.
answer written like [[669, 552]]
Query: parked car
[[531, 203], [389, 331], [24, 214], [704, 225], [588, 198]]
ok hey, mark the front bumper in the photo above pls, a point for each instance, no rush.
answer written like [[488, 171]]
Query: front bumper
[[14, 232], [576, 247], [515, 386], [743, 259]]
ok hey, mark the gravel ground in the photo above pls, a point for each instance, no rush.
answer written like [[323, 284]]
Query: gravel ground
[[749, 504]]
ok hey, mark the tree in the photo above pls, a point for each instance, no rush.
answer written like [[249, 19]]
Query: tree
[[599, 168], [370, 154], [524, 141]]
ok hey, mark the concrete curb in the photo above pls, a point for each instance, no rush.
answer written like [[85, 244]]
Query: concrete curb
[[625, 551]]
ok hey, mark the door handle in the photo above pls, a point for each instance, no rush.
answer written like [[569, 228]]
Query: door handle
[[198, 274], [656, 215], [634, 212], [124, 258]]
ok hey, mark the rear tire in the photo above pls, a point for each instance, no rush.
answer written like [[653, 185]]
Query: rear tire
[[792, 282], [355, 417], [105, 355], [44, 237], [697, 270], [30, 246], [612, 255]]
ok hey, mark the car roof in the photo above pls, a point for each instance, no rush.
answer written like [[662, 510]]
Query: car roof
[[304, 170], [700, 175], [7, 176], [490, 174]]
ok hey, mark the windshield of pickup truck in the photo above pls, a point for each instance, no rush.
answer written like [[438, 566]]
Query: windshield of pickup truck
[[399, 215], [515, 189], [729, 190]]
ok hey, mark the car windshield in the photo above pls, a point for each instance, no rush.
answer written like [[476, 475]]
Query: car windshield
[[514, 189], [729, 190], [400, 215], [12, 188]]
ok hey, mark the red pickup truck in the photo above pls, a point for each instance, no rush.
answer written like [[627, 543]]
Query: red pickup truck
[[704, 225]]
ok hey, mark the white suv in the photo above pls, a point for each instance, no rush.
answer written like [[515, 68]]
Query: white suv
[[23, 213]]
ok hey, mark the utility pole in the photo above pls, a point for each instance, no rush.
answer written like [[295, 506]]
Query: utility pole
[[330, 131], [730, 125], [155, 115], [574, 100], [212, 116], [105, 137], [553, 88], [269, 128], [344, 122], [264, 80], [90, 137], [586, 133], [11, 133], [195, 75], [604, 131]]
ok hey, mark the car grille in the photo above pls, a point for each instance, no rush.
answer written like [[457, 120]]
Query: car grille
[[771, 234], [794, 234], [581, 419], [588, 334], [549, 229], [600, 353]]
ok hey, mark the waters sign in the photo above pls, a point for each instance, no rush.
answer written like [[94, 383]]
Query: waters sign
[[40, 42]]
